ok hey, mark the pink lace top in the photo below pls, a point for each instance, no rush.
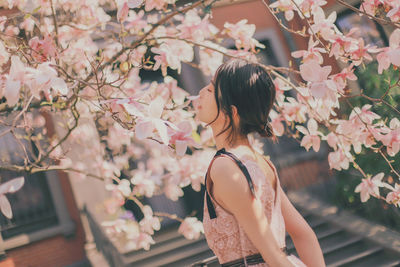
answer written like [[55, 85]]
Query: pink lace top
[[227, 238]]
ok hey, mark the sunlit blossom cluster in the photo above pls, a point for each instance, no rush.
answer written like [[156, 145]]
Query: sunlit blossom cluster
[[139, 136]]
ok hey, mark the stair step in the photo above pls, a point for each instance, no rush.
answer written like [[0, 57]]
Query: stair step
[[382, 259], [349, 254], [170, 245], [324, 230], [337, 244], [187, 261], [173, 255], [315, 221]]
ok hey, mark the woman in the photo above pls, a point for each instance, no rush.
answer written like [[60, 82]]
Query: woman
[[245, 209]]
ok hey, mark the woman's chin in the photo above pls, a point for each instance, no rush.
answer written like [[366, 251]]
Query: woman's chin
[[197, 118]]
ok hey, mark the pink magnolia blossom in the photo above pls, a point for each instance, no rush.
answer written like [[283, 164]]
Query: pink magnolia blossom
[[182, 138], [394, 13], [242, 33], [188, 170], [332, 140], [11, 30], [136, 21], [362, 52], [287, 6], [322, 25], [394, 196], [342, 44], [27, 24], [311, 71], [310, 6], [339, 160], [210, 60], [170, 54], [173, 192], [370, 6], [130, 229], [3, 20], [8, 187], [157, 4], [194, 27], [311, 135], [341, 78], [43, 49], [191, 228], [169, 89], [294, 110], [276, 123], [44, 78], [313, 52], [143, 241], [367, 116], [118, 136], [392, 139], [370, 186], [391, 54], [118, 226], [112, 204], [145, 126], [14, 81], [123, 188], [143, 184], [123, 12], [320, 86], [124, 7], [149, 223], [4, 56]]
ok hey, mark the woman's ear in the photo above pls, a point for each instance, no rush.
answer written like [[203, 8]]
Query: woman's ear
[[235, 114]]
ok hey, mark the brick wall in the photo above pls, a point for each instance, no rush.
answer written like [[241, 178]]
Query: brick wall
[[55, 251], [304, 173]]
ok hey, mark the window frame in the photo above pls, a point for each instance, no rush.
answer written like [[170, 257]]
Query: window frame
[[66, 225]]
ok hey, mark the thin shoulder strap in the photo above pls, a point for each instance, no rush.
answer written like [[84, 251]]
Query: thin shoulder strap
[[210, 206]]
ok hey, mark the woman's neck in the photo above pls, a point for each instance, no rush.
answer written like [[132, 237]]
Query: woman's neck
[[222, 140]]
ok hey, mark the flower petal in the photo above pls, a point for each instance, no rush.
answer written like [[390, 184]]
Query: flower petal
[[162, 130], [5, 207], [11, 92], [144, 129], [59, 85], [181, 147], [156, 107]]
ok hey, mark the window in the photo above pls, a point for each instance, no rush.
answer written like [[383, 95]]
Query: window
[[32, 206], [38, 207]]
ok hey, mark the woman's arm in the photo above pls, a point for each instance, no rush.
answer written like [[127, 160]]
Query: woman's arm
[[233, 193], [303, 236]]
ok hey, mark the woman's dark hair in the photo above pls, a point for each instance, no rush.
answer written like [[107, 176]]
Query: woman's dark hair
[[248, 87]]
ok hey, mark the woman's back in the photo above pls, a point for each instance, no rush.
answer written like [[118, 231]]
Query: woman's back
[[224, 235]]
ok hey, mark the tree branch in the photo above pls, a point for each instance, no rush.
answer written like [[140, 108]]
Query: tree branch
[[379, 20]]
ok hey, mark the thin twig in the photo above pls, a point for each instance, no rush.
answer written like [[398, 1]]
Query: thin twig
[[303, 34], [380, 20]]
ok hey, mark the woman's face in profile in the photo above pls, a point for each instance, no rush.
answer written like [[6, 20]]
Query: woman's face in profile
[[207, 107]]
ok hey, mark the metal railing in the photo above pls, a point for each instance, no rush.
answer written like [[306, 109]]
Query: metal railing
[[205, 262]]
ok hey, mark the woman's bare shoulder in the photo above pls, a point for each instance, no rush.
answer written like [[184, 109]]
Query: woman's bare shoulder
[[225, 171]]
